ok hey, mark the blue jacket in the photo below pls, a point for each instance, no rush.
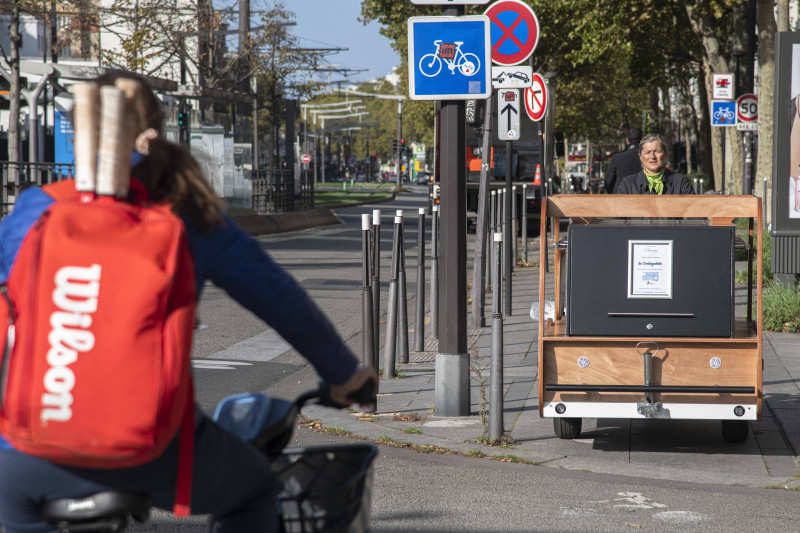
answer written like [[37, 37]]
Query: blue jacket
[[235, 262]]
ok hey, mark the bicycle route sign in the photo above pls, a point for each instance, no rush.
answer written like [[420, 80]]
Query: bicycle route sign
[[514, 31], [723, 113], [536, 98], [449, 58]]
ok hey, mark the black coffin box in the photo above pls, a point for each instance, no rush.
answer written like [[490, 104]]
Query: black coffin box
[[650, 280]]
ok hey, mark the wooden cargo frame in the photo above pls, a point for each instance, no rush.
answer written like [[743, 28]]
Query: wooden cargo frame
[[683, 381]]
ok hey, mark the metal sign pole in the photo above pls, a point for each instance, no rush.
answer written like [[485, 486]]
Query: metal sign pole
[[452, 394], [508, 249]]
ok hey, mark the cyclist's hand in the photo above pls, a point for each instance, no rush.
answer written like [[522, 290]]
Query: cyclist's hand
[[363, 374]]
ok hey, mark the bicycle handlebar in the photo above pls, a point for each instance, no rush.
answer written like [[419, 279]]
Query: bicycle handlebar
[[364, 395]]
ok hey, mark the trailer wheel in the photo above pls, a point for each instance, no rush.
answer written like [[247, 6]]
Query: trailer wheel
[[735, 430], [567, 428]]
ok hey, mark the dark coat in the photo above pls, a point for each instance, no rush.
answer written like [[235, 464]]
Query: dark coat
[[622, 164], [637, 184]]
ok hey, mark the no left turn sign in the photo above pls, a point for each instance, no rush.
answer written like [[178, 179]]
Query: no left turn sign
[[536, 98]]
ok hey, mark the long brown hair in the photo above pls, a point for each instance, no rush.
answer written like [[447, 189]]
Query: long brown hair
[[169, 172]]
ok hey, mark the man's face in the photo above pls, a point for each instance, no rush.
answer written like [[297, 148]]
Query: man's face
[[653, 157]]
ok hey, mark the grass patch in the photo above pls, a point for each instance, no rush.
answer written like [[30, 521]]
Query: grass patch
[[352, 195], [510, 458], [781, 308], [412, 431], [336, 431], [766, 257], [406, 417], [474, 453]]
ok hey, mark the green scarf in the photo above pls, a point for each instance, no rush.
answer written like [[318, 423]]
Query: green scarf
[[655, 181]]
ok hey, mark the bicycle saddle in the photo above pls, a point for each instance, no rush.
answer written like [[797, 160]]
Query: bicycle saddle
[[103, 511]]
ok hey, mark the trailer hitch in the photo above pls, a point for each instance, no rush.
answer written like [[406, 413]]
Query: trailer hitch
[[648, 407]]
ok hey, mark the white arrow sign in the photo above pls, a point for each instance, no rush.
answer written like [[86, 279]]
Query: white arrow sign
[[508, 114], [511, 77]]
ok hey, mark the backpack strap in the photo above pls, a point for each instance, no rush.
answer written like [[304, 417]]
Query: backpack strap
[[183, 491]]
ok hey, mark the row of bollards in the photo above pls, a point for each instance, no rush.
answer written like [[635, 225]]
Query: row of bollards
[[396, 349]]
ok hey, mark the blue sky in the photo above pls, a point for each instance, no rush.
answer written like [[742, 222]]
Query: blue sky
[[334, 23]]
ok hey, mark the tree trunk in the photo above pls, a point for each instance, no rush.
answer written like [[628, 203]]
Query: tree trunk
[[715, 62], [14, 147], [705, 153], [766, 96], [782, 14], [669, 130]]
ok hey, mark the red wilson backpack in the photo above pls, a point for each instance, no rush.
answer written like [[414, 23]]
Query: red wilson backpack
[[101, 309]]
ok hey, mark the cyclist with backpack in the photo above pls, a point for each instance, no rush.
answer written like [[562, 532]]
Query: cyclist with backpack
[[227, 478]]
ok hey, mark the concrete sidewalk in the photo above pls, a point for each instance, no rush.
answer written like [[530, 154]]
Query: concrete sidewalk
[[682, 450]]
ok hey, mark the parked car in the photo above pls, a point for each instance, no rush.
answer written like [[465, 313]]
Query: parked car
[[423, 178]]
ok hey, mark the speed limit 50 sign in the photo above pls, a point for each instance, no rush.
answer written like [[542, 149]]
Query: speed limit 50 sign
[[747, 112], [747, 109]]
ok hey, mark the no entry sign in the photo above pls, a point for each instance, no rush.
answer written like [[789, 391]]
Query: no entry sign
[[536, 98], [514, 31]]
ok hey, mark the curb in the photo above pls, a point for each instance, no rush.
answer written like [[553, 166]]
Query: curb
[[256, 224]]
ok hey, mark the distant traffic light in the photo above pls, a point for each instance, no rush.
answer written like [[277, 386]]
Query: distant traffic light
[[183, 125], [394, 145]]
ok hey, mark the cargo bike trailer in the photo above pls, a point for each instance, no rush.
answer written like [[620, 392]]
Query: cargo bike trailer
[[645, 323]]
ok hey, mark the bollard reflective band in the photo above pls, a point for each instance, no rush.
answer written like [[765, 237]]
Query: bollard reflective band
[[421, 210], [498, 237], [365, 222], [399, 213], [376, 217]]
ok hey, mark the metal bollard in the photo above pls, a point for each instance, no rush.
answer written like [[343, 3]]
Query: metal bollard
[[696, 189], [402, 299], [490, 231], [376, 280], [390, 349], [514, 227], [435, 272], [525, 222], [764, 206], [419, 319], [496, 372], [368, 331]]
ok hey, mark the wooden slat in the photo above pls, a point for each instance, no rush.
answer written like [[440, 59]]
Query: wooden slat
[[635, 205], [677, 363]]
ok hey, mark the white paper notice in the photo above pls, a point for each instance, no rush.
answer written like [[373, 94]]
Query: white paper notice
[[649, 269]]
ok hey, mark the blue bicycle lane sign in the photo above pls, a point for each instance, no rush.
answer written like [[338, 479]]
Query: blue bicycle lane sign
[[449, 58], [723, 113]]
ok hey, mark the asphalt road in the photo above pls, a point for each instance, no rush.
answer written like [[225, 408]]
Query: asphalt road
[[445, 493]]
